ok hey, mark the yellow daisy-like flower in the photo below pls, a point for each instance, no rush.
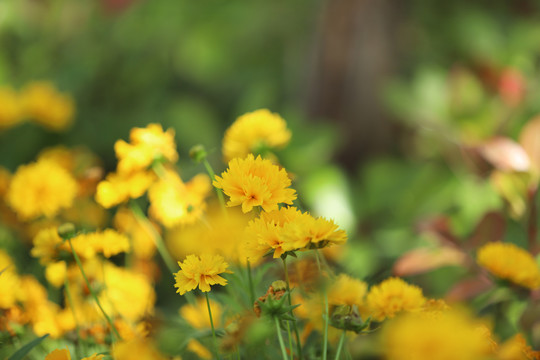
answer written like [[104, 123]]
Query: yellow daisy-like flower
[[10, 108], [108, 242], [516, 348], [140, 349], [9, 281], [173, 202], [452, 335], [254, 182], [118, 188], [510, 262], [200, 271], [254, 131], [288, 229], [63, 354], [46, 106], [347, 291], [146, 145], [393, 296], [41, 188]]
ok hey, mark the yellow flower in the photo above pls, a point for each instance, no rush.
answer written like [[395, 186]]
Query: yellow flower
[[108, 242], [173, 202], [63, 354], [146, 145], [254, 182], [118, 188], [197, 315], [9, 281], [41, 188], [393, 296], [59, 354], [347, 291], [288, 229], [46, 106], [509, 262], [200, 271], [55, 273], [140, 349], [452, 335], [10, 108], [221, 233], [516, 348], [255, 131], [142, 242]]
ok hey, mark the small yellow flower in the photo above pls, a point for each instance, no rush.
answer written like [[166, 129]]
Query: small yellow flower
[[510, 262], [452, 335], [200, 271], [59, 354], [516, 348], [10, 108], [140, 349], [55, 273], [41, 188], [393, 296], [46, 106], [347, 291], [254, 131], [146, 145], [118, 188], [9, 281], [288, 229], [173, 202], [143, 245], [254, 182]]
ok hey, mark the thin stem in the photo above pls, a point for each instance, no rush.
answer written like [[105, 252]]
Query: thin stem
[[219, 192], [158, 241], [290, 339], [340, 344], [75, 318], [281, 344], [250, 280], [212, 324], [296, 334], [325, 315], [79, 264]]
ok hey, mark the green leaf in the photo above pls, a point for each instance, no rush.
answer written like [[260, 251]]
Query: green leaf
[[21, 353]]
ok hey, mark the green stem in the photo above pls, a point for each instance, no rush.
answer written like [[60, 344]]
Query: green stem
[[296, 333], [281, 344], [340, 344], [290, 340], [158, 241], [212, 324], [219, 192], [250, 280], [77, 330], [79, 264], [325, 315]]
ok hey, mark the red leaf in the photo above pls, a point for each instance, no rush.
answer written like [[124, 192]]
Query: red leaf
[[422, 260], [505, 154]]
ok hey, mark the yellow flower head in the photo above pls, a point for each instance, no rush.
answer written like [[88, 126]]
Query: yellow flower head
[[9, 281], [173, 202], [10, 108], [288, 229], [347, 291], [254, 182], [142, 241], [508, 261], [255, 131], [41, 188], [221, 233], [59, 354], [200, 271], [516, 348], [452, 335], [140, 349], [46, 106], [197, 315], [118, 188], [107, 242], [146, 145], [393, 296]]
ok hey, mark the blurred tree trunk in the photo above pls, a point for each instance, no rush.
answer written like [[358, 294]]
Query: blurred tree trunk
[[354, 53]]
